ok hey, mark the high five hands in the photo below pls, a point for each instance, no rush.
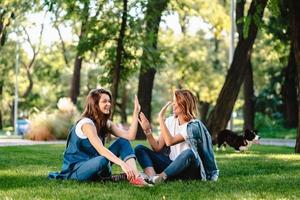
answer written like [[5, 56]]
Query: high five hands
[[144, 122]]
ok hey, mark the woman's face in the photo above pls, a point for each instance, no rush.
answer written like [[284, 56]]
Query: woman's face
[[176, 108], [104, 104]]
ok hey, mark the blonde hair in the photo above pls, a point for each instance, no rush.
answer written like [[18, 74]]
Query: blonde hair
[[187, 103]]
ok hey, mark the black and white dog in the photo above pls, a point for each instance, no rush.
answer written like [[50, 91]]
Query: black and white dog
[[238, 142]]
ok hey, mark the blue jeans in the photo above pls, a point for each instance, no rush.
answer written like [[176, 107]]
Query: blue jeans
[[185, 166], [100, 166]]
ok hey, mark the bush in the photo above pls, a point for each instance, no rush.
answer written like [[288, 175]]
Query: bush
[[271, 128], [50, 126], [263, 122]]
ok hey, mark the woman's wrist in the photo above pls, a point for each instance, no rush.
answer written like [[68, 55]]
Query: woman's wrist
[[148, 132], [122, 163], [161, 120]]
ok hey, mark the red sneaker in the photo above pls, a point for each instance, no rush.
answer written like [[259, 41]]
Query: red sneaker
[[139, 182]]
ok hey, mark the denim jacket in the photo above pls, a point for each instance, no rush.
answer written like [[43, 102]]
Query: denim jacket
[[200, 142]]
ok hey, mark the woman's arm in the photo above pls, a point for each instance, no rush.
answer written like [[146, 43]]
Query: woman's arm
[[169, 139], [91, 132], [131, 132], [156, 145]]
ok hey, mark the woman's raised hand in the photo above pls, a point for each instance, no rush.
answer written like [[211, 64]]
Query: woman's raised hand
[[144, 122], [137, 106], [162, 112]]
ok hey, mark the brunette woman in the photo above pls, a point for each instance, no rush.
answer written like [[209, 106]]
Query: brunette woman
[[86, 157]]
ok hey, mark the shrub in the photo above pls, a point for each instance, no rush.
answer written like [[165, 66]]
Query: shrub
[[50, 126]]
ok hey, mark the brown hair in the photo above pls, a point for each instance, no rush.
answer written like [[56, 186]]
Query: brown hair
[[187, 103], [93, 111]]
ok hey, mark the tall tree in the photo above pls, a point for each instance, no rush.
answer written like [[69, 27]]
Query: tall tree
[[294, 15], [85, 17], [249, 98], [289, 92], [75, 83], [56, 24], [10, 10], [119, 56], [221, 113], [35, 51], [149, 56]]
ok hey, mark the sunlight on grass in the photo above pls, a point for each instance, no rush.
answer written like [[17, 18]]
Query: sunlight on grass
[[284, 157]]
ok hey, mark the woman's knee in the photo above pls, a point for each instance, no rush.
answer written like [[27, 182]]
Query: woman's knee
[[139, 149], [87, 170], [101, 163], [188, 154], [123, 142]]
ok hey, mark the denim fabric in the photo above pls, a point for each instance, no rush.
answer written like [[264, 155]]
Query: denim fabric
[[200, 142], [148, 158], [100, 166], [83, 162], [91, 169], [185, 166]]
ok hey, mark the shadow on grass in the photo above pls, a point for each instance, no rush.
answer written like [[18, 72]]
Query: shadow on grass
[[21, 181]]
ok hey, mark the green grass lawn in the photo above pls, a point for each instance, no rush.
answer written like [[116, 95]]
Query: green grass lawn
[[264, 172]]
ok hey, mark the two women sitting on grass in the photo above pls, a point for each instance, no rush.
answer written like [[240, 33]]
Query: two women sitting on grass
[[191, 154]]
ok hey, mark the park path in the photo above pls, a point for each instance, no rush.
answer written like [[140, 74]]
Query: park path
[[278, 142], [18, 142]]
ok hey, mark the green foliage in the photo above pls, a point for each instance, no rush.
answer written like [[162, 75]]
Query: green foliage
[[273, 128], [195, 61], [11, 10], [265, 122], [264, 172], [274, 7], [269, 101]]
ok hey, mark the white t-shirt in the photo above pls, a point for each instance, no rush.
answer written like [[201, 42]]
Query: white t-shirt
[[174, 128], [78, 128]]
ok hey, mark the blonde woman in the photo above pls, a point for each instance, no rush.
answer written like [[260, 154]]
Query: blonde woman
[[191, 153]]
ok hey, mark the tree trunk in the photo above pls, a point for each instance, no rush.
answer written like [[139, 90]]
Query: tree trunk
[[119, 55], [149, 57], [249, 110], [75, 86], [289, 93], [204, 108], [12, 113], [123, 106], [30, 86], [220, 115], [249, 105], [294, 14], [2, 34]]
